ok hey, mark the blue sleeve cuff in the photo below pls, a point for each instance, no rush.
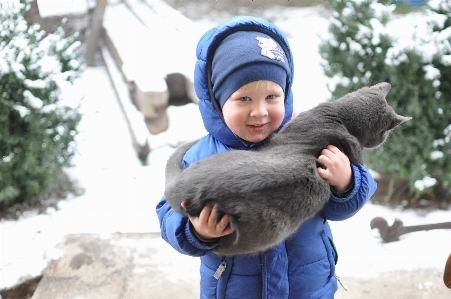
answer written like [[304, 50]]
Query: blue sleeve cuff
[[175, 229], [341, 208], [347, 195], [195, 241]]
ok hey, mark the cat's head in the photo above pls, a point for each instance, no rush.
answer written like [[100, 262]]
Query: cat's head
[[367, 115]]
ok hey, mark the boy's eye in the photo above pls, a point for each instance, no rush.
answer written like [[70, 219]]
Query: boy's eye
[[244, 99], [271, 97]]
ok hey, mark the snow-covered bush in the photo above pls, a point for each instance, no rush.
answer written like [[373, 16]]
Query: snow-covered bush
[[36, 132], [354, 54], [361, 52]]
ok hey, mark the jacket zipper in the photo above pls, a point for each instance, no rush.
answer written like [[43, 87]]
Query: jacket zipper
[[220, 269]]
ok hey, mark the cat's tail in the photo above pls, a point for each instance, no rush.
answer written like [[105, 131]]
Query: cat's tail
[[174, 167]]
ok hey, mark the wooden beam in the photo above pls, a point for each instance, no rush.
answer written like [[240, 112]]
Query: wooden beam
[[92, 42]]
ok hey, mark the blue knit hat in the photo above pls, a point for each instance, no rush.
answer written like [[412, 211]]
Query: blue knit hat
[[244, 57]]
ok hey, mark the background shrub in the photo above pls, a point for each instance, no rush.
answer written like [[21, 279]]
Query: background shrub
[[37, 131], [361, 52]]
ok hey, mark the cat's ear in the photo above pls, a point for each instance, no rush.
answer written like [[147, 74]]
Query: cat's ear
[[384, 87], [399, 120]]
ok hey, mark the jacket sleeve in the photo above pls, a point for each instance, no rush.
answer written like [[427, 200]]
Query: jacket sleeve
[[342, 208], [177, 231]]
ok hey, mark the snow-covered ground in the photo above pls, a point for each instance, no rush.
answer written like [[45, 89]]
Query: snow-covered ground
[[121, 194]]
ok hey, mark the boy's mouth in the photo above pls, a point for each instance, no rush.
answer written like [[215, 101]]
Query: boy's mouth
[[257, 128]]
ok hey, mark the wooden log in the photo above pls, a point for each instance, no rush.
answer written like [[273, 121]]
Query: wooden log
[[397, 229]]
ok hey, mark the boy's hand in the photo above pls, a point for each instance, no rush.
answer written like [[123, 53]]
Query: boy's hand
[[206, 226], [338, 173]]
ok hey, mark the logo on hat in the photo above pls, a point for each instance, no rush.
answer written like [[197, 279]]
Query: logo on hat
[[270, 49]]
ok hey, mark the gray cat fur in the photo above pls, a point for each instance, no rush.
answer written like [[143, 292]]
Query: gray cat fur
[[270, 192]]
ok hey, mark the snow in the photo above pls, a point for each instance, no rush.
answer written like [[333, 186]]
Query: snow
[[436, 155], [48, 8], [424, 183], [120, 194], [157, 43]]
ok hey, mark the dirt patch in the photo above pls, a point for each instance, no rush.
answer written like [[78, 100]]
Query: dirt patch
[[421, 283], [395, 193], [22, 291]]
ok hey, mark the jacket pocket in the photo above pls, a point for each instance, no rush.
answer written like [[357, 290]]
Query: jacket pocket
[[334, 250], [331, 286], [215, 272], [208, 283], [331, 252]]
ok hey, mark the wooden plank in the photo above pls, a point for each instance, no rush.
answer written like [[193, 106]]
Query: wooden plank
[[181, 33], [164, 40], [133, 117], [164, 15], [148, 49], [139, 49], [92, 42]]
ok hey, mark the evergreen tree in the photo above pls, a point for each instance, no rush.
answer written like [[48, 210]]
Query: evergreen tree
[[439, 107], [37, 131], [419, 72], [354, 53]]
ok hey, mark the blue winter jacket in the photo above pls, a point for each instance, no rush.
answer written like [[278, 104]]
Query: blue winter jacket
[[303, 266]]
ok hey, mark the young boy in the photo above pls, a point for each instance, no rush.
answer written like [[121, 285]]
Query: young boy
[[243, 79]]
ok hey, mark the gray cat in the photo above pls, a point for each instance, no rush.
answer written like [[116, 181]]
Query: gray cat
[[270, 192]]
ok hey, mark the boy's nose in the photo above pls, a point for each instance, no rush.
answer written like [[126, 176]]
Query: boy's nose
[[259, 110]]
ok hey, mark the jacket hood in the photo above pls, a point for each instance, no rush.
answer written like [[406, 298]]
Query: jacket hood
[[209, 106]]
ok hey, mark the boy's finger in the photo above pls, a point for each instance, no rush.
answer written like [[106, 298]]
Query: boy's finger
[[333, 149], [326, 152], [227, 231], [330, 152], [205, 214], [324, 173], [324, 159], [224, 222]]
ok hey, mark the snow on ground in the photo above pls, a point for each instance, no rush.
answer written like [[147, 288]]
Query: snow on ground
[[121, 194]]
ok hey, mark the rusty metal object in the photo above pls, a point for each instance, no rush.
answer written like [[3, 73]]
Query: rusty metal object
[[392, 233], [447, 273]]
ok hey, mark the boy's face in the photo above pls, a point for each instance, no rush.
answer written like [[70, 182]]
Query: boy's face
[[255, 110]]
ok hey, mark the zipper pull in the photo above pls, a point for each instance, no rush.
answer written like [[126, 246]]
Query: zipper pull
[[220, 269], [339, 281]]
